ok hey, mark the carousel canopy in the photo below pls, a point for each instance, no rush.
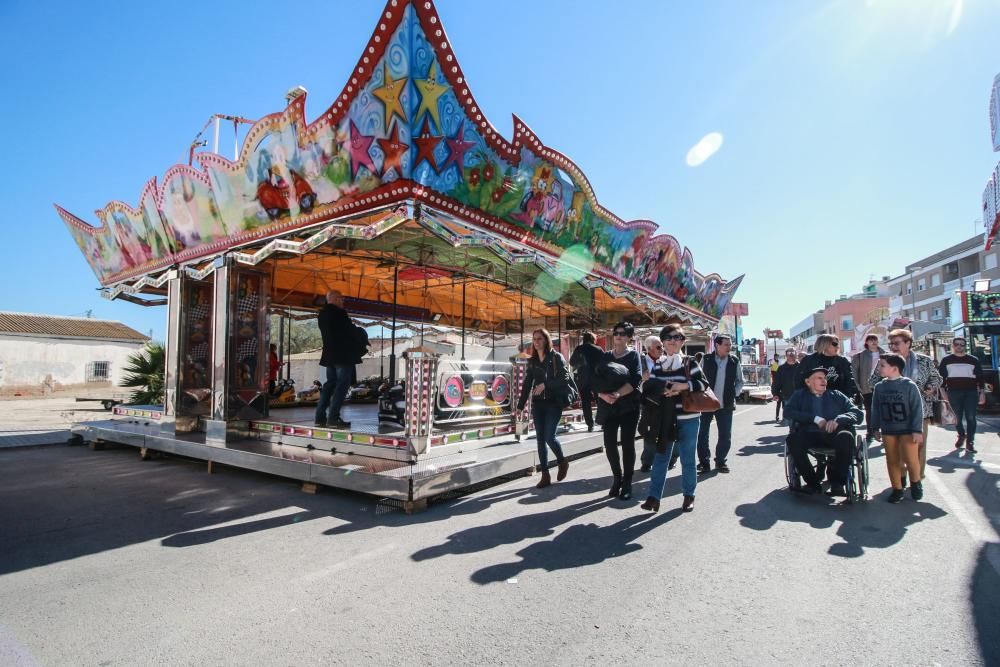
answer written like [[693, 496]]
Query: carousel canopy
[[403, 192]]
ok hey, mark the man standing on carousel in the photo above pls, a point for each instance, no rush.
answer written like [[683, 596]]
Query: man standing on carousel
[[339, 356]]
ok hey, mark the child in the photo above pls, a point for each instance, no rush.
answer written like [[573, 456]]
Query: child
[[896, 416]]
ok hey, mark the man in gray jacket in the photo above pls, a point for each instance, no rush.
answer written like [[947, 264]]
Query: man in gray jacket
[[865, 364]]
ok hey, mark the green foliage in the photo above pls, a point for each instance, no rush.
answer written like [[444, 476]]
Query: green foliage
[[144, 372], [305, 335]]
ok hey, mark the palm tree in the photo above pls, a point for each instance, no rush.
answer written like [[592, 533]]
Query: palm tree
[[145, 372]]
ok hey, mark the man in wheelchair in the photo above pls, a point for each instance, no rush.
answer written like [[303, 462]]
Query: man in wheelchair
[[822, 419]]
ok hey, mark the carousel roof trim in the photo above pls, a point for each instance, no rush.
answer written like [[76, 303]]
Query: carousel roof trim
[[154, 196]]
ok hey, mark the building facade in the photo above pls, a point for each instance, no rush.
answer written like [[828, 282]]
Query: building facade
[[41, 354]]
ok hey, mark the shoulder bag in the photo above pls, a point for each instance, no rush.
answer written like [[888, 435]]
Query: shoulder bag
[[566, 395], [698, 401]]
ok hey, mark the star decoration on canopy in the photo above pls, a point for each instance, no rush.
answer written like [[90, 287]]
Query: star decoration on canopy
[[389, 93], [358, 147], [430, 92], [394, 151], [457, 148], [426, 144]]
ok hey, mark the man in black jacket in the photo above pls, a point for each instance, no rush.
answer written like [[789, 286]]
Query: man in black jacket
[[725, 377], [586, 357], [783, 385], [339, 356]]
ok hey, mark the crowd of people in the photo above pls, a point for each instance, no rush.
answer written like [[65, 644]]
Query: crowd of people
[[824, 398]]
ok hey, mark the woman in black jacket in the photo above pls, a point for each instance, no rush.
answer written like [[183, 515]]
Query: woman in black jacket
[[547, 377], [622, 412]]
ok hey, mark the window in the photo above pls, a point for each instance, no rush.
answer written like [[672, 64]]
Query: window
[[991, 261], [921, 285], [937, 313], [98, 371], [909, 288], [935, 280], [847, 322], [923, 315]]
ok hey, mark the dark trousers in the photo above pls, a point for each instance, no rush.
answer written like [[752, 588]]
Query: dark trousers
[[334, 391], [587, 397], [841, 441], [627, 423], [867, 400], [546, 415], [965, 403], [777, 408], [724, 418]]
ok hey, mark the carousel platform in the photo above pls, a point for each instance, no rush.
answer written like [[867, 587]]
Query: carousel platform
[[367, 459]]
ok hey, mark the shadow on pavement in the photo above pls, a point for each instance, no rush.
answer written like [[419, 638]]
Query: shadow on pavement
[[769, 444], [870, 525], [579, 545]]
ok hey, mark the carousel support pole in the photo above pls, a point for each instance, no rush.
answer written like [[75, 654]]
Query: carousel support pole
[[172, 367], [464, 281], [215, 135], [522, 323], [559, 327], [215, 427], [518, 371], [419, 392], [392, 334], [281, 342]]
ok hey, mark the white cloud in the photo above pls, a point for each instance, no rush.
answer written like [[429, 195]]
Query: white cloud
[[706, 147], [956, 15]]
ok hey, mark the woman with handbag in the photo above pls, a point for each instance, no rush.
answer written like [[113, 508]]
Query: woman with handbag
[[684, 387], [548, 382], [622, 412]]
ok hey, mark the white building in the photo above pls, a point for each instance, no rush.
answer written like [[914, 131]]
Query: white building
[[40, 354]]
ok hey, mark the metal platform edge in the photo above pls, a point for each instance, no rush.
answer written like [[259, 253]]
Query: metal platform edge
[[407, 487]]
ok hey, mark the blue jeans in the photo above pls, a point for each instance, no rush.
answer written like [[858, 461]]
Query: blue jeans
[[724, 418], [546, 415], [965, 403], [334, 391], [687, 439]]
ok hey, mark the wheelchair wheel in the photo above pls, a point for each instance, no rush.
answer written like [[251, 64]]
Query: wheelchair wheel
[[790, 475], [861, 464]]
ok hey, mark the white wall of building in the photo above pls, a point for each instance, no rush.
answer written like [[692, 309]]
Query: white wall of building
[[41, 361]]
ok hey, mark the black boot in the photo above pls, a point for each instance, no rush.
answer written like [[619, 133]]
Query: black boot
[[616, 487], [626, 490]]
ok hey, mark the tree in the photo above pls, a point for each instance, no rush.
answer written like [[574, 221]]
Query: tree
[[144, 372]]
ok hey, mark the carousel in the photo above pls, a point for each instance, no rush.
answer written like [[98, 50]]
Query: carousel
[[402, 196]]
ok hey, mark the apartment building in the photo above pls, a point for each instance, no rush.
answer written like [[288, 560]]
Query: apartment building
[[926, 289]]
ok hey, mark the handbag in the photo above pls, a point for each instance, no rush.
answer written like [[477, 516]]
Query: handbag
[[567, 395], [942, 413], [698, 401]]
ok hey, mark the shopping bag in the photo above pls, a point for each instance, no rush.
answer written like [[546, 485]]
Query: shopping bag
[[942, 413]]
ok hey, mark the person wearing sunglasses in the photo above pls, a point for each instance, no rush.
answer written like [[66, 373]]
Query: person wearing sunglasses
[[839, 375], [676, 430], [725, 377], [963, 379], [622, 412]]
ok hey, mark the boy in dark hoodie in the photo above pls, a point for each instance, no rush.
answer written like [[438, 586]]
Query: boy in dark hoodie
[[897, 420]]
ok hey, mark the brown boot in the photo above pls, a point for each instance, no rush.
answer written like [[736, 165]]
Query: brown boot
[[545, 480], [563, 469]]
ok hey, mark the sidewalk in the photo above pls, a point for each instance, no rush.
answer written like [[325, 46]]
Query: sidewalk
[[43, 421]]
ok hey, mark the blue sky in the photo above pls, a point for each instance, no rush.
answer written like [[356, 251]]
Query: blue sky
[[855, 133]]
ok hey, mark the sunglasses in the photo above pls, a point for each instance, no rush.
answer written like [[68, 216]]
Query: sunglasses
[[621, 333], [834, 344], [675, 337]]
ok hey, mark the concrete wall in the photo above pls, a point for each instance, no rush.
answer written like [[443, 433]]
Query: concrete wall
[[43, 364]]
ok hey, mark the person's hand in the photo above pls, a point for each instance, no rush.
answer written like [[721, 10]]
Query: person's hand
[[929, 391], [918, 438], [822, 424], [645, 376], [830, 426], [607, 398], [539, 388], [674, 388], [773, 397]]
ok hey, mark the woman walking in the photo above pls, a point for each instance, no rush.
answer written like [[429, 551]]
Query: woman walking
[[622, 412], [673, 375], [654, 350], [546, 377]]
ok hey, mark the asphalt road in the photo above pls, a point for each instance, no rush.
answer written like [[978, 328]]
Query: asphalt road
[[109, 560]]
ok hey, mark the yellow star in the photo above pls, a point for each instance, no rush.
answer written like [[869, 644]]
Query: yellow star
[[430, 92], [389, 93]]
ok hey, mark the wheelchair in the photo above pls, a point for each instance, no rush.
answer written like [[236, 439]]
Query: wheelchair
[[857, 472]]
